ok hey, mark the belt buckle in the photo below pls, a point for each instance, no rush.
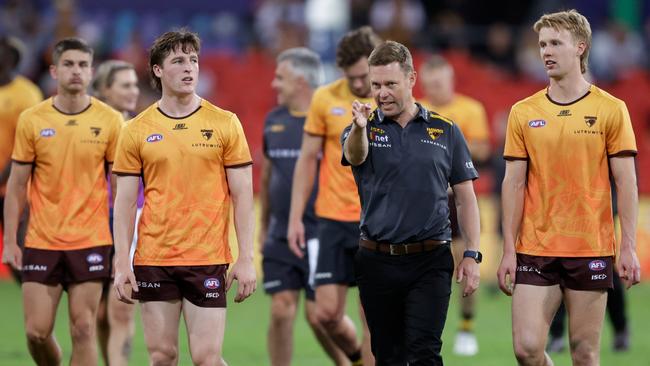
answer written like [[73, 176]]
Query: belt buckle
[[392, 249]]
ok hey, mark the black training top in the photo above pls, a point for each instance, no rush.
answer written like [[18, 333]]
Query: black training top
[[403, 182], [282, 140]]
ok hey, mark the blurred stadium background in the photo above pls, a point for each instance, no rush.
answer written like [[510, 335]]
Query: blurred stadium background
[[490, 44]]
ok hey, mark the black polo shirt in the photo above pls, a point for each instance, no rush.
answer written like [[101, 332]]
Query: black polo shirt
[[282, 140], [403, 182]]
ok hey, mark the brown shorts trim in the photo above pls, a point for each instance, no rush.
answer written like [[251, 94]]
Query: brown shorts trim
[[53, 267], [575, 273], [203, 286]]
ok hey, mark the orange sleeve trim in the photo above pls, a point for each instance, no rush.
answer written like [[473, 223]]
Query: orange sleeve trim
[[22, 161], [508, 157], [623, 153], [238, 165]]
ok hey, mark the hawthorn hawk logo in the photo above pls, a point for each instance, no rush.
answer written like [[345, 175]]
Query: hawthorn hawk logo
[[590, 121], [207, 134]]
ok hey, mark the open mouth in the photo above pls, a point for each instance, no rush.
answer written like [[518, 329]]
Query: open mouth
[[188, 79], [549, 63]]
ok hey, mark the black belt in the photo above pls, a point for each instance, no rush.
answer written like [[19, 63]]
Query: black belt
[[402, 249]]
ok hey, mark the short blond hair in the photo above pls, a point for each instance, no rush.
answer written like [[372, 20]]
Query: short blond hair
[[575, 23]]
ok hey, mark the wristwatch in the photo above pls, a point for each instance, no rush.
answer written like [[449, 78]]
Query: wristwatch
[[474, 254]]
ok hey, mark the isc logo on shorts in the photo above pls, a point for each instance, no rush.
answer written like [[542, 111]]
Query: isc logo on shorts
[[96, 268], [597, 265], [601, 276], [212, 295], [211, 283], [94, 258]]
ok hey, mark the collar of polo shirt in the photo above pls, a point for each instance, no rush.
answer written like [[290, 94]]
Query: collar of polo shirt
[[422, 113]]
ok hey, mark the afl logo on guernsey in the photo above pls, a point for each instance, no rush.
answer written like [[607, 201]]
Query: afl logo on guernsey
[[537, 123], [48, 132], [211, 283], [155, 137], [597, 265]]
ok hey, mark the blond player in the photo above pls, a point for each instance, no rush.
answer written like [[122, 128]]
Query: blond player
[[561, 144]]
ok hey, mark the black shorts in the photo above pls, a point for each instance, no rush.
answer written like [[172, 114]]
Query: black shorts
[[338, 243], [281, 275], [575, 273], [65, 267], [203, 286]]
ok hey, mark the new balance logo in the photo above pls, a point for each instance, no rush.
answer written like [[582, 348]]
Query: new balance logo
[[71, 122], [564, 113], [180, 126]]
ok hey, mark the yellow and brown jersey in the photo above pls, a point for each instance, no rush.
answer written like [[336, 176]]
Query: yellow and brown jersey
[[329, 114], [183, 163], [68, 193], [15, 97], [467, 113], [567, 202]]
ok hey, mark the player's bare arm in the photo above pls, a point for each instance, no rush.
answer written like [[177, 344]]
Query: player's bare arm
[[303, 183], [240, 184], [470, 226], [14, 204], [512, 201], [124, 213], [355, 147], [628, 206]]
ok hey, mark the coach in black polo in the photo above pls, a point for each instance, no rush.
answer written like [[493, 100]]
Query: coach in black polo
[[403, 158]]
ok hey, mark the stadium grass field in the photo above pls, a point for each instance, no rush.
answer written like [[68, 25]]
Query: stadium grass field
[[245, 342]]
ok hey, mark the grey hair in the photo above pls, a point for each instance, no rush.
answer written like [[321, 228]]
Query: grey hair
[[305, 63]]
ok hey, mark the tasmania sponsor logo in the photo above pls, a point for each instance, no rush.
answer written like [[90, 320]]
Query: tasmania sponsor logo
[[597, 265], [211, 283], [536, 123], [154, 138], [48, 132], [94, 258]]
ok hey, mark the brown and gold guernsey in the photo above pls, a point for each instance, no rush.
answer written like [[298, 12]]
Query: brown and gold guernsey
[[15, 97], [329, 114], [183, 161], [467, 113], [68, 194], [567, 202]]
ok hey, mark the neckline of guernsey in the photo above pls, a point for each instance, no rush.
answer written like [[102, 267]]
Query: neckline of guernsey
[[71, 114], [569, 103], [183, 117]]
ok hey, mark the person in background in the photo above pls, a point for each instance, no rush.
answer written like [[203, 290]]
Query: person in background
[[116, 84]]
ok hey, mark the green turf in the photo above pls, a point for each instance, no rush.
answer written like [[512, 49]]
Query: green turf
[[245, 342]]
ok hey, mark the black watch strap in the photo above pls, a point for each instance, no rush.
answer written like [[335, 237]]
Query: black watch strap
[[474, 254]]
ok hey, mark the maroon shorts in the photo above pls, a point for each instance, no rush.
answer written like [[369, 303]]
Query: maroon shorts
[[203, 286], [575, 273], [53, 267]]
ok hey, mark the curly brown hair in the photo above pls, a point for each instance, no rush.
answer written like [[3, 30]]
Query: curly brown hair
[[354, 45], [171, 41]]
